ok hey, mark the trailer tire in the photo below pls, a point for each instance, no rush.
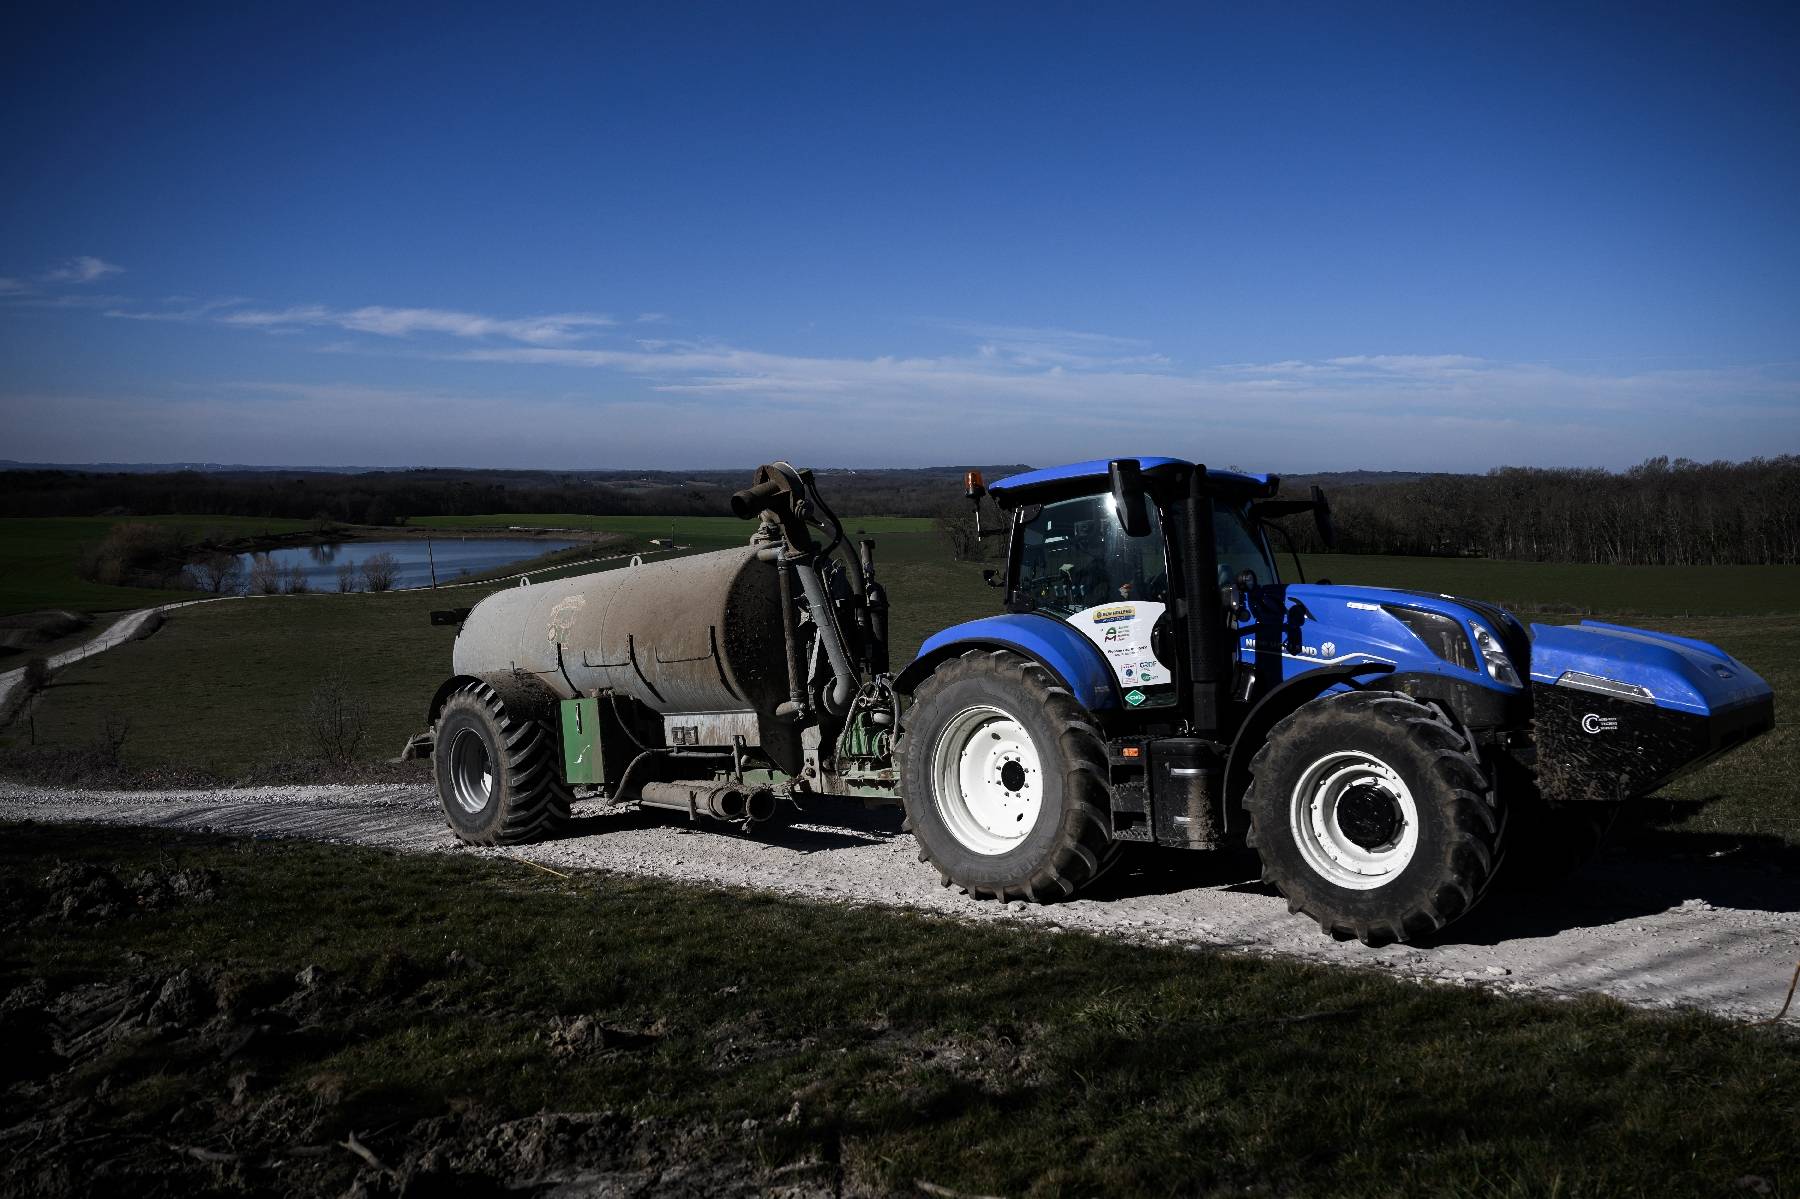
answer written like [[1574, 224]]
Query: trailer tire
[[497, 773], [1039, 828], [1372, 815]]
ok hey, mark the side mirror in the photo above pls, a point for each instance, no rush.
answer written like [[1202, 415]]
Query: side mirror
[[1322, 517], [1241, 587], [1128, 496], [992, 578]]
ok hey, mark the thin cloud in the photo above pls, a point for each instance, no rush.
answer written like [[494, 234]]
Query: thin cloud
[[82, 269], [1030, 346], [552, 329], [1046, 393], [1037, 335]]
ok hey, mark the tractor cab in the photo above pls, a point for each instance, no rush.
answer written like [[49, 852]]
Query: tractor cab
[[1114, 549]]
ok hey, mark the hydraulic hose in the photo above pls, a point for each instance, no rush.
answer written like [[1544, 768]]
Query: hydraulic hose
[[843, 684]]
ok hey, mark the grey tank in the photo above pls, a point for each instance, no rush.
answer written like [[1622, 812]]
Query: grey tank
[[695, 634]]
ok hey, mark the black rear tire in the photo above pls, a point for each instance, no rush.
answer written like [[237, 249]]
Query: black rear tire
[[497, 774], [1060, 845], [1372, 815]]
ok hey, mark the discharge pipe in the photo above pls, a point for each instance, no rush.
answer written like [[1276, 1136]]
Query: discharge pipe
[[721, 801]]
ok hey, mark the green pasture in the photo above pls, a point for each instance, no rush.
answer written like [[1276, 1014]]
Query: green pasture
[[1533, 588], [222, 688], [38, 556], [813, 1048], [698, 532]]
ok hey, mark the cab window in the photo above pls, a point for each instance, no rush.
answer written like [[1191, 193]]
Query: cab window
[[1075, 554], [1240, 547]]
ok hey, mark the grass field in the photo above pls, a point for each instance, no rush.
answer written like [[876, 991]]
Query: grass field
[[38, 555], [857, 1050], [700, 532], [222, 689], [1530, 587]]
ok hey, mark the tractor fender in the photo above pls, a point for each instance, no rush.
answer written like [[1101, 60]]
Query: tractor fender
[[1269, 710], [1057, 647]]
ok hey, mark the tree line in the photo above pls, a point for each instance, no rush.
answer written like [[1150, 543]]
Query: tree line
[[1658, 513], [393, 497], [1661, 512]]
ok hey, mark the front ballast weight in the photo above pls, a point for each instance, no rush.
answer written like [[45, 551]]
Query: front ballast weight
[[1391, 757]]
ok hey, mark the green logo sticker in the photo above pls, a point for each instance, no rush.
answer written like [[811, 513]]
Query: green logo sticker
[[1134, 697]]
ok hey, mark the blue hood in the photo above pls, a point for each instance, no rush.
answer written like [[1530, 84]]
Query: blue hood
[[1354, 623], [1638, 664]]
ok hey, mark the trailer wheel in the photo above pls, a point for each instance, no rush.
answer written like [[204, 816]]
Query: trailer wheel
[[1005, 780], [496, 773], [1372, 815]]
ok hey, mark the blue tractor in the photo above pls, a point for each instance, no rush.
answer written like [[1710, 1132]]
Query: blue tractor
[[1152, 679]]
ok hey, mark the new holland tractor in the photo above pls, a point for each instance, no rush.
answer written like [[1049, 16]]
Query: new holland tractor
[[1152, 678]]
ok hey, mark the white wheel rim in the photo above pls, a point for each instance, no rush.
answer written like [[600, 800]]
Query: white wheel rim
[[988, 783], [1355, 820]]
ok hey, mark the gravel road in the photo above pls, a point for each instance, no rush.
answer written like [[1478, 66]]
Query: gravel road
[[117, 633], [1664, 932]]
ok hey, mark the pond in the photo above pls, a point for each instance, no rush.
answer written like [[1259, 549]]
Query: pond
[[455, 557]]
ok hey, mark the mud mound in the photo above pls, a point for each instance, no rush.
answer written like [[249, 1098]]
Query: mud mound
[[84, 893], [85, 1106]]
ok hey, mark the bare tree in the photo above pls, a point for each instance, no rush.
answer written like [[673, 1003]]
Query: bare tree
[[379, 570], [108, 745], [336, 719], [294, 580], [217, 572], [955, 523], [346, 576], [265, 576]]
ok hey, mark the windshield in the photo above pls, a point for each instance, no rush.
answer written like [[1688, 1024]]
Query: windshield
[[1074, 554], [1240, 547]]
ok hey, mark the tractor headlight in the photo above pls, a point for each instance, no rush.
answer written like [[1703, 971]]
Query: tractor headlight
[[1444, 634], [1499, 666]]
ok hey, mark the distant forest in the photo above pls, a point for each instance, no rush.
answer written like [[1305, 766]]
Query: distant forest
[[1661, 512], [393, 497], [1658, 513]]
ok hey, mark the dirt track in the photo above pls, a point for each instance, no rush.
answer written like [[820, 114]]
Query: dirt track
[[1711, 934]]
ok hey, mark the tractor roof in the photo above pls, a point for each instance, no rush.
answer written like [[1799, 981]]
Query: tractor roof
[[1035, 485]]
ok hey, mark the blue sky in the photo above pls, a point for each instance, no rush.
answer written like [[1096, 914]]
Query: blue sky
[[1275, 236]]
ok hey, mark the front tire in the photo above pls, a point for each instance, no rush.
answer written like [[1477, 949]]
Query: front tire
[[1005, 780], [497, 773], [1372, 815]]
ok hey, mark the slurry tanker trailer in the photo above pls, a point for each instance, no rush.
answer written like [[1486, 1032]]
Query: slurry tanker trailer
[[1151, 679]]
